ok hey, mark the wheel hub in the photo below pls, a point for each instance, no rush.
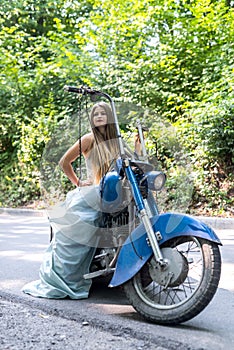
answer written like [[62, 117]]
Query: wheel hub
[[174, 273]]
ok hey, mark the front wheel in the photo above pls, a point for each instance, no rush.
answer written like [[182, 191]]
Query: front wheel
[[181, 291]]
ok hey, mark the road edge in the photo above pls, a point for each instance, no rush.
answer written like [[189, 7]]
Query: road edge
[[214, 222]]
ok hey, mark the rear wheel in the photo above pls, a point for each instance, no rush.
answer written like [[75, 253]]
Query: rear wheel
[[181, 291]]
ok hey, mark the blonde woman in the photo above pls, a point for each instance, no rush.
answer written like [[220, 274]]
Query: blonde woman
[[76, 221]]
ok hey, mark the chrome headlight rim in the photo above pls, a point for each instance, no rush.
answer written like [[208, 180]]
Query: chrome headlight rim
[[156, 180]]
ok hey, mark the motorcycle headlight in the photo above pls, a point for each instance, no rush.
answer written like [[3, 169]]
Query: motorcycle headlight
[[156, 180]]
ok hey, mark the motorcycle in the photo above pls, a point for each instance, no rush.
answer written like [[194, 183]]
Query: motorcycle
[[168, 264]]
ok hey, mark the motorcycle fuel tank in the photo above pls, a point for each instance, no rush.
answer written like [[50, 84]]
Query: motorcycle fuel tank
[[111, 192]]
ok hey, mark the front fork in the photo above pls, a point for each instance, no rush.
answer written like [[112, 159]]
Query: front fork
[[143, 214]]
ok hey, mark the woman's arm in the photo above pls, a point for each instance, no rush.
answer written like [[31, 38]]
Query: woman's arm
[[72, 154], [138, 147]]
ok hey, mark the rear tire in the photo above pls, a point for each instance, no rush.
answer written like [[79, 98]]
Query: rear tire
[[189, 295]]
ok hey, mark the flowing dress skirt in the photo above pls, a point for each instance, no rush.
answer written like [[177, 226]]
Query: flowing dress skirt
[[68, 257]]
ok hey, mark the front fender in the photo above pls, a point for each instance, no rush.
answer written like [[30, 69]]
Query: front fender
[[136, 250]]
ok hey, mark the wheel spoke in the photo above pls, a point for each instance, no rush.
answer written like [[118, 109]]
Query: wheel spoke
[[157, 295]]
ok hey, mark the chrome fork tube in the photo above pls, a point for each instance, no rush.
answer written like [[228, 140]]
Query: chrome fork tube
[[152, 238], [143, 214]]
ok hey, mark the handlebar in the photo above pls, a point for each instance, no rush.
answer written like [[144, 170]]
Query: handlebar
[[82, 90]]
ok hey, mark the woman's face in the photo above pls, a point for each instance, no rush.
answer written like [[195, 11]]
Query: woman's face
[[99, 117]]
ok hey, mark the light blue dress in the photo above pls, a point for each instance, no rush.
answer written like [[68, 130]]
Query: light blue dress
[[68, 257]]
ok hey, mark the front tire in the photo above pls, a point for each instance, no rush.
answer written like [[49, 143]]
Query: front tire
[[163, 301]]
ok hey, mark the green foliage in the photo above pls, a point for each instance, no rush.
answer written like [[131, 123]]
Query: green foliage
[[175, 57], [36, 59]]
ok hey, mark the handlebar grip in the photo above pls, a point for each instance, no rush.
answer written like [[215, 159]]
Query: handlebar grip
[[73, 89]]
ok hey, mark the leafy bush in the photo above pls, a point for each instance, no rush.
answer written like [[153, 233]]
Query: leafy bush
[[177, 58]]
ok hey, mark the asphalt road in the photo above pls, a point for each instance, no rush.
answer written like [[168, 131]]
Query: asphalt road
[[107, 313]]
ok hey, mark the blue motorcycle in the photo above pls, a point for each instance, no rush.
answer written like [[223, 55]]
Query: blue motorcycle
[[168, 264]]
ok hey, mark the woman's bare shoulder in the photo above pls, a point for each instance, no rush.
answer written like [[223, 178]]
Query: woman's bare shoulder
[[87, 137], [87, 142]]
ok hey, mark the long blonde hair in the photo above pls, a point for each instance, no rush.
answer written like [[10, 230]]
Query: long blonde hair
[[104, 147]]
